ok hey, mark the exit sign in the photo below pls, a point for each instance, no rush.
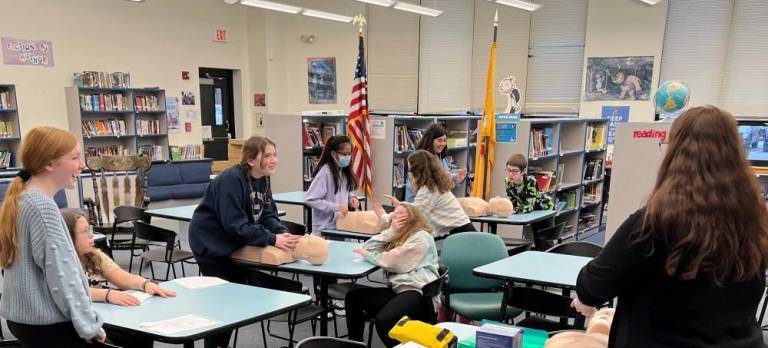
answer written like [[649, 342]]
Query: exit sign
[[220, 35]]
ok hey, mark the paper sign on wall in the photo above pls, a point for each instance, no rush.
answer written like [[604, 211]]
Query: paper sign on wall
[[27, 52], [614, 114], [172, 112], [506, 127], [377, 130]]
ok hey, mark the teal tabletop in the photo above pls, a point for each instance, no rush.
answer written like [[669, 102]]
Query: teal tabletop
[[517, 219], [231, 305], [535, 267], [182, 213]]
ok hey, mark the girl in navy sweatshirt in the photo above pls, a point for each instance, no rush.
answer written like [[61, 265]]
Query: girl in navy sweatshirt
[[238, 210]]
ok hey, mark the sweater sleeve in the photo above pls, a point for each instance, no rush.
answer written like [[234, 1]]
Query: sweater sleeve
[[269, 217], [611, 272], [402, 259], [238, 226], [54, 253], [318, 190]]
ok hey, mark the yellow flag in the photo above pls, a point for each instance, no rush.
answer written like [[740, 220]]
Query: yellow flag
[[486, 134]]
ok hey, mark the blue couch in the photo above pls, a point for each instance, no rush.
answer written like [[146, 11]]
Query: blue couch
[[178, 179], [60, 198]]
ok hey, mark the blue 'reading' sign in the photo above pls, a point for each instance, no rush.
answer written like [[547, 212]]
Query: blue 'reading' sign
[[615, 114], [506, 127]]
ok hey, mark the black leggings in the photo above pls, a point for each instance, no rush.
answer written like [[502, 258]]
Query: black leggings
[[231, 273], [41, 336], [463, 228], [386, 308]]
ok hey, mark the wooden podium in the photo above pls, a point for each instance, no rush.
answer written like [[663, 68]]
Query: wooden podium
[[234, 153]]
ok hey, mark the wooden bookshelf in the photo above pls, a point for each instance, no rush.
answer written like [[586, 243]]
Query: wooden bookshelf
[[10, 131]]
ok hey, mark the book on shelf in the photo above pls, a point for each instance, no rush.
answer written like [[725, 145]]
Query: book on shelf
[[7, 159], [569, 197], [587, 221], [545, 179], [593, 193], [103, 102], [155, 152], [111, 150], [6, 129], [541, 142], [593, 169], [110, 127], [407, 138], [560, 174], [596, 135], [328, 131], [146, 103], [6, 100], [101, 79], [311, 136], [310, 163], [149, 127], [187, 152], [399, 172], [457, 138]]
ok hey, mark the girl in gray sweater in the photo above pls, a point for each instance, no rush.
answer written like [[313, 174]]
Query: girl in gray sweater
[[45, 293]]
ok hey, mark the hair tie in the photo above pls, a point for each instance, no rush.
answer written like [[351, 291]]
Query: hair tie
[[24, 175]]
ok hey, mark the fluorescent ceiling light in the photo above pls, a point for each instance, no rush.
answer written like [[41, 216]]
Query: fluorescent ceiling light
[[326, 15], [651, 2], [275, 6], [525, 5], [385, 3], [418, 9]]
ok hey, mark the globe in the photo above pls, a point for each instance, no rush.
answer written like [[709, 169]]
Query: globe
[[671, 98]]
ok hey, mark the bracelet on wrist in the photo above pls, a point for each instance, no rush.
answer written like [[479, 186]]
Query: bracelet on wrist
[[106, 296], [143, 285]]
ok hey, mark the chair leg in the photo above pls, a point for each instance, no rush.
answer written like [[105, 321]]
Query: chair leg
[[263, 334], [183, 273], [130, 261], [168, 270], [151, 269], [370, 334], [235, 343]]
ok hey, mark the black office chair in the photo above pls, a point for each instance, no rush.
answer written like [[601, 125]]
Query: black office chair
[[546, 238], [328, 342], [123, 237], [542, 302], [170, 254], [578, 248]]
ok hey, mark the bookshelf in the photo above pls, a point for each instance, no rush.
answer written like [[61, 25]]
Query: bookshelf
[[119, 121], [402, 132], [10, 133]]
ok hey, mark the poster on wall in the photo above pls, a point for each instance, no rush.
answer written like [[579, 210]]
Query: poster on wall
[[506, 127], [187, 98], [27, 52], [614, 114], [260, 100], [618, 78], [172, 112], [321, 75]]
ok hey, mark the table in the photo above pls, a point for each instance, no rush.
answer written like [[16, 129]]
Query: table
[[514, 219], [299, 198], [181, 213], [232, 305], [342, 263], [535, 267], [346, 234]]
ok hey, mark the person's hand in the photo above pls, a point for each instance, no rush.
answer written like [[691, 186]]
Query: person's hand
[[122, 298], [343, 209], [395, 202], [461, 175], [101, 338], [398, 222], [362, 252], [155, 290], [354, 202], [286, 242], [377, 208], [585, 310]]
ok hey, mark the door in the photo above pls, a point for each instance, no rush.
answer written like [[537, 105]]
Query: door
[[217, 110]]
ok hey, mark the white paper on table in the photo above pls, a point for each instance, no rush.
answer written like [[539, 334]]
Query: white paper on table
[[140, 295], [179, 324], [199, 282]]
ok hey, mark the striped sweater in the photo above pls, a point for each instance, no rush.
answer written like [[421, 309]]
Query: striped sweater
[[45, 284], [442, 210]]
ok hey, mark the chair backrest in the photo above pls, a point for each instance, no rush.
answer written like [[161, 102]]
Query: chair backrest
[[435, 287], [118, 191], [463, 252], [10, 343], [328, 342], [153, 233], [543, 302], [545, 238], [255, 277], [294, 228], [578, 248], [126, 213]]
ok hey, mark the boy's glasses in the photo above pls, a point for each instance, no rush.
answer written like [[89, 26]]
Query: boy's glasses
[[512, 171]]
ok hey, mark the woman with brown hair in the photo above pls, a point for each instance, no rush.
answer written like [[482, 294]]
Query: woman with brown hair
[[407, 253], [435, 141], [433, 197], [45, 293], [688, 269], [238, 210]]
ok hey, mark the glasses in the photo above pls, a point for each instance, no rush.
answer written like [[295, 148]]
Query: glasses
[[344, 153], [512, 171]]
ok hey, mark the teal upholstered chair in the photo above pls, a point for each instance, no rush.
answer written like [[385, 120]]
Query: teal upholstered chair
[[467, 295]]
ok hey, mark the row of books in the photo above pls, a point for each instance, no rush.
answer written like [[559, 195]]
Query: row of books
[[310, 163], [569, 198], [399, 172], [104, 127], [541, 142], [104, 102], [185, 152], [154, 152], [6, 100], [147, 103], [457, 138], [593, 169], [6, 129], [149, 127], [593, 193], [100, 79], [6, 159], [596, 135], [111, 150], [545, 179], [407, 138]]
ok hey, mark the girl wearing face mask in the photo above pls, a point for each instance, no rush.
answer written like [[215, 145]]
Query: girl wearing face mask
[[330, 194]]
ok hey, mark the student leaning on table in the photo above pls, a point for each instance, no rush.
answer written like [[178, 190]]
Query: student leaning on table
[[688, 269], [45, 293], [98, 267]]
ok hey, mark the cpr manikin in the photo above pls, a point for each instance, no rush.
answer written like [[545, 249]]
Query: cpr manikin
[[596, 335], [313, 249], [501, 206], [474, 206], [359, 221]]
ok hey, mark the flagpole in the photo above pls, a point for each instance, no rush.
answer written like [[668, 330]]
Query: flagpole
[[360, 21], [486, 139]]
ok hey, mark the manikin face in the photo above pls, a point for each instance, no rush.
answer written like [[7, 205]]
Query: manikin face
[[83, 237], [64, 170], [265, 164], [439, 144], [514, 174]]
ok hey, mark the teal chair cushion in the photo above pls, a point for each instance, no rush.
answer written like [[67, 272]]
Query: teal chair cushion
[[466, 251], [481, 305]]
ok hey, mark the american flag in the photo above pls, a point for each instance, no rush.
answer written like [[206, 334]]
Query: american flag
[[358, 126]]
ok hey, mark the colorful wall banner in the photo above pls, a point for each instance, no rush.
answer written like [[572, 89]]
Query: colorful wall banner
[[27, 52]]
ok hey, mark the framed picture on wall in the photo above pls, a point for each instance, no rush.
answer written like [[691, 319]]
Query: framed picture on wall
[[618, 78], [321, 77]]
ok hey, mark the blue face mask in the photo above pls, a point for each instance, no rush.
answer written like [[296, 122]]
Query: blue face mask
[[344, 160]]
